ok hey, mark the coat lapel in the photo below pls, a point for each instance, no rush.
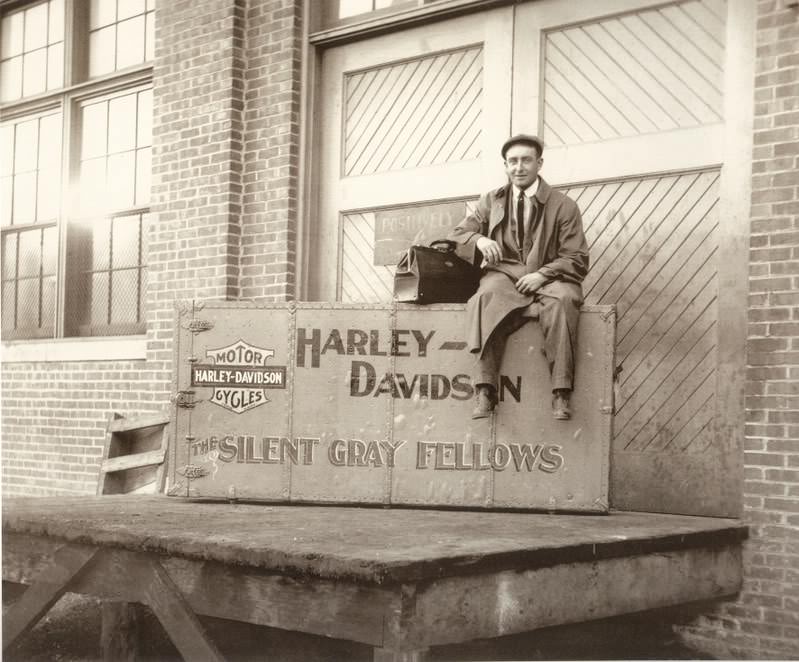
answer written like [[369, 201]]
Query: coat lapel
[[498, 209]]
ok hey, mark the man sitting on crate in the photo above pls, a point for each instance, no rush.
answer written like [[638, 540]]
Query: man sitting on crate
[[533, 252]]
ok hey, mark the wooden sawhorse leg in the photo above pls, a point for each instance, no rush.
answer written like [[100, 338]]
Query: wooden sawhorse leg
[[69, 564], [390, 655], [119, 638], [135, 577]]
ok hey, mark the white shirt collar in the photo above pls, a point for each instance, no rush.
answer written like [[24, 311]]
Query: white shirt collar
[[530, 191]]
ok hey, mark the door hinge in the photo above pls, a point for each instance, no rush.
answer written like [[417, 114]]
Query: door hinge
[[199, 325], [185, 399]]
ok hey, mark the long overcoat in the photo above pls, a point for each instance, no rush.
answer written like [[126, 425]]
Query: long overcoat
[[559, 251]]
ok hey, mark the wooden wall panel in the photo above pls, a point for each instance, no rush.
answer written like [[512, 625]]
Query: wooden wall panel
[[635, 73], [654, 252], [414, 113], [361, 280]]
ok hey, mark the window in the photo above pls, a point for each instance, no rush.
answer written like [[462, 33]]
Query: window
[[330, 13], [120, 34], [30, 171], [32, 54], [75, 167]]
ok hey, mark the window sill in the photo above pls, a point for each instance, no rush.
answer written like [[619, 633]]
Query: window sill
[[116, 348]]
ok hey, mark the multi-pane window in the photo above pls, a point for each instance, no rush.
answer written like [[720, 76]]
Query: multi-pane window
[[330, 12], [30, 176], [121, 34], [75, 167], [108, 274], [115, 152], [32, 50], [30, 170], [106, 248], [29, 276], [353, 7]]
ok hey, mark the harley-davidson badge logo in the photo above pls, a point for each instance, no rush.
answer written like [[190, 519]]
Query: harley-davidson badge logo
[[239, 376]]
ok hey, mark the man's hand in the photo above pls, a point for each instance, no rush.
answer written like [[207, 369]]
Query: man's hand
[[490, 250], [530, 283]]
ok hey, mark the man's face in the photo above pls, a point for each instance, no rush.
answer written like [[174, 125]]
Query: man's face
[[522, 164]]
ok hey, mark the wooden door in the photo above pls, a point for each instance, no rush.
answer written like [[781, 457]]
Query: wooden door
[[408, 120], [645, 110], [630, 100]]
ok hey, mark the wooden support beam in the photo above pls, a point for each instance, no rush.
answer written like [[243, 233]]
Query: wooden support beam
[[177, 617], [71, 561], [119, 638], [389, 655]]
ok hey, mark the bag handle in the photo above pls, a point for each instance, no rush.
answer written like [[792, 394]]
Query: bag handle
[[448, 245]]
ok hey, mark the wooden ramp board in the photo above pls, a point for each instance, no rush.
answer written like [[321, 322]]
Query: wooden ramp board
[[396, 579], [134, 455], [338, 403]]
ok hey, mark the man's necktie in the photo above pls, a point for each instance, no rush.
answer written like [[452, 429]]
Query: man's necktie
[[520, 220]]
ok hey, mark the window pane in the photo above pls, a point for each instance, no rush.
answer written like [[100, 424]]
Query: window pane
[[122, 124], [6, 198], [50, 251], [353, 7], [11, 39], [35, 27], [130, 42], [101, 244], [56, 21], [55, 66], [143, 170], [144, 119], [50, 141], [48, 302], [125, 296], [94, 131], [30, 253], [34, 79], [9, 255], [26, 146], [146, 219], [92, 185], [101, 51], [99, 299], [24, 198], [102, 12], [6, 149], [126, 241], [8, 305], [128, 8], [150, 5], [49, 193], [11, 79], [149, 36], [121, 178], [28, 303]]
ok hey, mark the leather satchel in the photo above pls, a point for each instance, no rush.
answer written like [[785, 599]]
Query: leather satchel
[[435, 274]]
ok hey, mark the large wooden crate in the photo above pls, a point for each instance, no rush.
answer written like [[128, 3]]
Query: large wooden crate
[[337, 403]]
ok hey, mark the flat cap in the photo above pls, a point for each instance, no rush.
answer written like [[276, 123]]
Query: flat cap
[[523, 139]]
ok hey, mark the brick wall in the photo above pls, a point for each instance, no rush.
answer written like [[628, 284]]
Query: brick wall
[[225, 172], [225, 152], [271, 156], [764, 621], [54, 420]]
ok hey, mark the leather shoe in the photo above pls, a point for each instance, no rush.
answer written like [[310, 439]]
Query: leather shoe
[[485, 401], [560, 404]]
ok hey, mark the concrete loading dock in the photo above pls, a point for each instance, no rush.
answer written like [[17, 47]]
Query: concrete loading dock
[[399, 580]]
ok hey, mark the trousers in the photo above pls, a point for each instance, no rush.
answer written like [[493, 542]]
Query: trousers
[[558, 308]]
